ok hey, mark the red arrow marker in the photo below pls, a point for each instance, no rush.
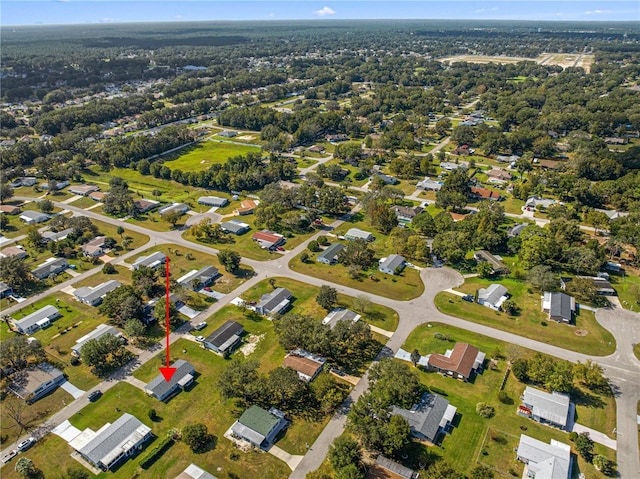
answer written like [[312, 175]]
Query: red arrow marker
[[167, 371]]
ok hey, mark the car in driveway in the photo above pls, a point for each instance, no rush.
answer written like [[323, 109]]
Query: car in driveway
[[200, 339], [468, 298], [200, 326], [8, 456], [26, 444], [94, 396]]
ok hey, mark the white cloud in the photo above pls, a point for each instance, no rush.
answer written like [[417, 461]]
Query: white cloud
[[596, 12], [107, 20], [178, 17], [324, 11]]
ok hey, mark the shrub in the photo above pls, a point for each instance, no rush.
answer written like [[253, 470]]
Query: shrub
[[196, 437], [504, 398], [153, 415], [485, 410], [304, 257], [313, 246], [604, 465], [520, 369], [108, 268], [322, 240], [74, 361]]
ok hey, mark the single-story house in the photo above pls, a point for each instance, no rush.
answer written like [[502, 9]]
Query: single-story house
[[393, 469], [393, 264], [550, 164], [535, 202], [429, 418], [11, 251], [484, 194], [307, 365], [26, 181], [268, 239], [83, 190], [235, 227], [276, 302], [517, 229], [493, 296], [498, 175], [355, 233], [225, 338], [152, 261], [228, 133], [95, 247], [507, 158], [429, 185], [143, 205], [340, 314], [246, 207], [258, 426], [49, 268], [198, 278], [547, 408], [602, 284], [330, 254], [98, 332], [464, 149], [457, 216], [559, 306], [316, 149], [5, 290], [405, 214], [97, 195], [613, 214], [37, 320], [93, 295], [448, 166], [173, 207], [460, 362], [387, 179], [34, 217], [58, 185], [497, 266], [182, 378], [9, 209], [56, 236], [213, 201], [112, 443], [36, 382], [542, 460], [194, 472], [337, 138]]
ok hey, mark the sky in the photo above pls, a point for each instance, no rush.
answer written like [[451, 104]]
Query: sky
[[38, 12]]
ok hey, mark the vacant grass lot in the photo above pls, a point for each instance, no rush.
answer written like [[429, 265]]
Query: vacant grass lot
[[182, 260], [531, 321], [463, 448], [202, 155], [628, 289]]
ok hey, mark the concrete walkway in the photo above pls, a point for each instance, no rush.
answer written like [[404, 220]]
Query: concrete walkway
[[71, 389], [291, 460], [596, 436], [457, 293], [135, 382], [384, 332]]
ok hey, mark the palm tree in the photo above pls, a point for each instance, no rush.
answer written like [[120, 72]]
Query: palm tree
[[25, 467]]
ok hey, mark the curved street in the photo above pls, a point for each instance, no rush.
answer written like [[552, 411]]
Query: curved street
[[621, 367]]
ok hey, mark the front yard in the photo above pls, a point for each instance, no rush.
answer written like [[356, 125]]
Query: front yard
[[586, 336]]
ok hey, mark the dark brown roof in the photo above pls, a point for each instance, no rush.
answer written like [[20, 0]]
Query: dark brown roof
[[461, 360]]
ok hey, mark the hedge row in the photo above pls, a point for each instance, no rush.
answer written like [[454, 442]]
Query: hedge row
[[152, 455]]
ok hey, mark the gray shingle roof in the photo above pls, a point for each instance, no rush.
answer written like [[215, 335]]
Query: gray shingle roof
[[43, 313], [272, 302], [560, 304], [426, 416], [152, 260], [396, 468], [159, 386], [224, 333], [331, 252], [91, 295], [492, 294], [393, 262], [50, 267], [234, 226]]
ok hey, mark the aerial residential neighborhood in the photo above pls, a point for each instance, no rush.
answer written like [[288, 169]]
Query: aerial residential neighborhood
[[320, 248]]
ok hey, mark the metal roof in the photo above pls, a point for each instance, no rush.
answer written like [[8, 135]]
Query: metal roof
[[546, 461], [47, 312], [492, 294], [90, 295], [553, 407], [393, 262], [100, 331]]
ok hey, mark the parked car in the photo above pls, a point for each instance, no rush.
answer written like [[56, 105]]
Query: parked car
[[8, 456], [207, 288], [280, 248], [26, 444], [200, 326], [468, 297], [94, 396], [200, 339], [337, 371]]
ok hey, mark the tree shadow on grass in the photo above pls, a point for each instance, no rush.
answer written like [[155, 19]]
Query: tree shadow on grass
[[583, 398]]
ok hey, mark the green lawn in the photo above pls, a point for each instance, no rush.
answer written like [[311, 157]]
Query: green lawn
[[84, 202], [463, 448], [407, 285], [628, 289], [531, 322], [636, 350], [182, 260], [202, 155], [32, 415]]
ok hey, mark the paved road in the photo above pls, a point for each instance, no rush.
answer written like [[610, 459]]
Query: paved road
[[621, 367]]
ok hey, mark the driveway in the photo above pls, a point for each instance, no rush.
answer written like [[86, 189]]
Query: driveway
[[291, 460], [597, 436], [71, 389]]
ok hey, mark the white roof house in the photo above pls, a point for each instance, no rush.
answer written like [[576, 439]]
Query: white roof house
[[493, 296], [101, 330], [340, 314], [93, 296], [152, 261], [355, 233], [194, 472], [33, 217], [548, 408], [544, 461], [36, 320], [393, 264], [212, 201], [173, 207]]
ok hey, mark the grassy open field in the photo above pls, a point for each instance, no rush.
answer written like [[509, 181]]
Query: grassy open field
[[472, 434], [202, 155], [531, 322], [628, 289]]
